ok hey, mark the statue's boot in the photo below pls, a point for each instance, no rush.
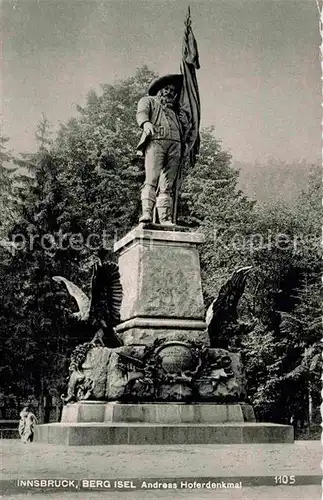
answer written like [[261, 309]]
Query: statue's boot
[[164, 209], [148, 199]]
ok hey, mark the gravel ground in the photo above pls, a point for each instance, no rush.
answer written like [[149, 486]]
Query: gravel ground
[[50, 461], [37, 460]]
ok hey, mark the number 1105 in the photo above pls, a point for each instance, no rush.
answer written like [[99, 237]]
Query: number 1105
[[285, 479]]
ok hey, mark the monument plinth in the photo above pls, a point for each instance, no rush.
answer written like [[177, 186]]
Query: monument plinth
[[161, 279], [165, 384]]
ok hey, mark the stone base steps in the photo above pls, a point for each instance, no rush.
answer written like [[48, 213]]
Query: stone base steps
[[156, 413], [84, 434]]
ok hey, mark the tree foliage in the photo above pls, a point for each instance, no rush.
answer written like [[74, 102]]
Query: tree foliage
[[289, 308], [8, 198]]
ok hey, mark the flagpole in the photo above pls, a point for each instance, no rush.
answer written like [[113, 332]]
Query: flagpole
[[178, 177], [177, 186]]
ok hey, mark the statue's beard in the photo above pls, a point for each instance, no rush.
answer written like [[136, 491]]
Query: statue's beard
[[167, 101]]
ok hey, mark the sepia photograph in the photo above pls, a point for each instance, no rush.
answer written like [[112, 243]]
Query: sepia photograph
[[160, 249]]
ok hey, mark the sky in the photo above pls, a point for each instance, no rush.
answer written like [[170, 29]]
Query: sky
[[259, 78]]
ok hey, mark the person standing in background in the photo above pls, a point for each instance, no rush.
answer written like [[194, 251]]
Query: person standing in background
[[27, 425]]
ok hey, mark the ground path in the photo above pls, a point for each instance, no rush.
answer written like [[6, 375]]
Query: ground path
[[37, 460]]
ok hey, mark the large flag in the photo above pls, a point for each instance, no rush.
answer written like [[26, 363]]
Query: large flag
[[190, 98], [189, 103]]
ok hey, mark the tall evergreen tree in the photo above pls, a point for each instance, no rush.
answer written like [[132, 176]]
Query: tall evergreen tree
[[8, 201]]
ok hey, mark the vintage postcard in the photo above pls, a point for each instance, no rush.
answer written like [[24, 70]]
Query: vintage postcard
[[160, 261]]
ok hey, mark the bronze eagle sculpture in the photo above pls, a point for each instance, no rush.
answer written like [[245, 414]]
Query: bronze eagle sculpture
[[222, 318], [101, 310]]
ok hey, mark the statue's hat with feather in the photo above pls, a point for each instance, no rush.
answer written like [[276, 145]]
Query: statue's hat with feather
[[162, 81]]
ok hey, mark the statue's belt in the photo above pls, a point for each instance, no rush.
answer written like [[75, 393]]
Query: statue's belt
[[162, 132]]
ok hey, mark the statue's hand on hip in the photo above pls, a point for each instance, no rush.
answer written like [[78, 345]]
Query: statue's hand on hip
[[149, 128]]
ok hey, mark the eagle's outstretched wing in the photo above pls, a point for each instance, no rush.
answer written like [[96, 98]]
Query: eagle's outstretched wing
[[106, 293], [102, 309], [224, 308], [81, 298]]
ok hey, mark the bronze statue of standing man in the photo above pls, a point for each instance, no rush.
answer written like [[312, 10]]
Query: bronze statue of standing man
[[162, 142], [170, 119]]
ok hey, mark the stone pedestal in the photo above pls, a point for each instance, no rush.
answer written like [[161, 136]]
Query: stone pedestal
[[161, 280], [165, 384], [94, 423]]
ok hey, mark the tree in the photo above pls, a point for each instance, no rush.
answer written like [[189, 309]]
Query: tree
[[8, 208], [29, 336], [284, 376]]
